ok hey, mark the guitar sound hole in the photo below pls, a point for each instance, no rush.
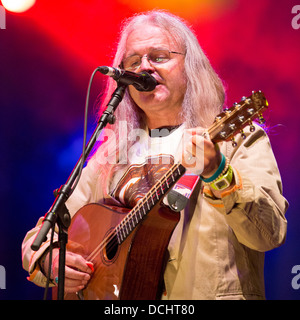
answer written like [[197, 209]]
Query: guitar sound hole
[[111, 250]]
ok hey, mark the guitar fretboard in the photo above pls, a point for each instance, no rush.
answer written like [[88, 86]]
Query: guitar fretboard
[[144, 206]]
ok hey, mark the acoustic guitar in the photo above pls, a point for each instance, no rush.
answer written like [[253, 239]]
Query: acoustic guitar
[[129, 247]]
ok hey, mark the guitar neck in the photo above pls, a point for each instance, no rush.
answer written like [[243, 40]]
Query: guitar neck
[[144, 206]]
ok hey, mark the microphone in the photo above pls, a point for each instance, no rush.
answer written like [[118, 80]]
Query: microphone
[[142, 81]]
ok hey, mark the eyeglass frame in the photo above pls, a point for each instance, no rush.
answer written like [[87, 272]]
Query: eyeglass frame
[[146, 56]]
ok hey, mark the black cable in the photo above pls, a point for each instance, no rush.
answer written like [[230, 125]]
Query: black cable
[[84, 130]]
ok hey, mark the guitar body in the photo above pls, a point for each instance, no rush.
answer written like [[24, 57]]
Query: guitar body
[[132, 270]]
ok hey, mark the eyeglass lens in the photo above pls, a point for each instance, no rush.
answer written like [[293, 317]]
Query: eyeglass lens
[[157, 56]]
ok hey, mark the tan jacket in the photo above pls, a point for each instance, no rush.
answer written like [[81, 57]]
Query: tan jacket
[[217, 249]]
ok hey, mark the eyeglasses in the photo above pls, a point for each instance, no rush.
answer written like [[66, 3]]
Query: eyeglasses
[[155, 57]]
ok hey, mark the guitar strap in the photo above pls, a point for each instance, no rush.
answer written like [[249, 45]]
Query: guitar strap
[[179, 195]]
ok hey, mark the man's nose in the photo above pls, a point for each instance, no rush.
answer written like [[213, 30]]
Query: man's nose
[[146, 65]]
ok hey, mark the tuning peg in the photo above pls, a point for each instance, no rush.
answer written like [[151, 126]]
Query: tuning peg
[[223, 134], [237, 105], [252, 128], [218, 118], [234, 144], [241, 119], [261, 119], [250, 111], [246, 100], [232, 126], [243, 134]]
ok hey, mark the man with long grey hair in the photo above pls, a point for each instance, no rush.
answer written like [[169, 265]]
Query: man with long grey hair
[[235, 210]]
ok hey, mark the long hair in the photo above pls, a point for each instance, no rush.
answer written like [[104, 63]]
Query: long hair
[[205, 93]]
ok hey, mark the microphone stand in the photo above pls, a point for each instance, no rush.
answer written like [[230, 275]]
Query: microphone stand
[[59, 214]]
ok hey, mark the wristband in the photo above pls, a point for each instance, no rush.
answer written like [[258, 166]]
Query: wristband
[[217, 173]]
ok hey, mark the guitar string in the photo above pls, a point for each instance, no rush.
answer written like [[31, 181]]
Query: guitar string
[[154, 191], [111, 240], [145, 201]]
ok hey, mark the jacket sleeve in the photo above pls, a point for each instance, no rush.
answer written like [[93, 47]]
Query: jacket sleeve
[[254, 207], [86, 191]]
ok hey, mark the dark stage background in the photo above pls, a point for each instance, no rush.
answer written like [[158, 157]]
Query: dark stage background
[[47, 55]]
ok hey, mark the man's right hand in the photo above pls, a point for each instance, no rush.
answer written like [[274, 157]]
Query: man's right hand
[[77, 271]]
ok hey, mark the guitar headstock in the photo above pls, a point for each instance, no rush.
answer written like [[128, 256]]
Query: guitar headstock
[[232, 121]]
